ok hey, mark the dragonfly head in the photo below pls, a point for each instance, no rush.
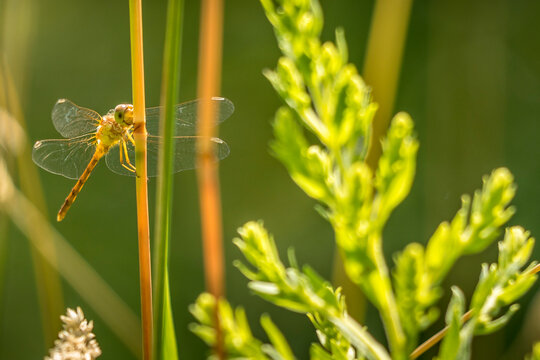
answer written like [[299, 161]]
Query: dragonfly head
[[123, 114]]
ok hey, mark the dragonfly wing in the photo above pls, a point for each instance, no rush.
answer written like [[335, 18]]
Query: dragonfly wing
[[186, 116], [71, 120], [66, 157], [184, 155]]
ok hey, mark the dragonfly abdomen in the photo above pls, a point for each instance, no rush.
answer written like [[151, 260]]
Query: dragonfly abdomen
[[98, 154]]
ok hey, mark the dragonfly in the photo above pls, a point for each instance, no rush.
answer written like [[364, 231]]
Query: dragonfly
[[88, 137]]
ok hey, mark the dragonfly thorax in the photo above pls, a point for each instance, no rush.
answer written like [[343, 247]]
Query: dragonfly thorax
[[109, 132]]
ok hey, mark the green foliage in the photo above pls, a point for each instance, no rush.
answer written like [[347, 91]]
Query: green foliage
[[503, 283], [419, 271], [238, 340], [333, 345], [500, 285], [535, 355], [450, 346], [321, 137], [302, 291], [328, 98]]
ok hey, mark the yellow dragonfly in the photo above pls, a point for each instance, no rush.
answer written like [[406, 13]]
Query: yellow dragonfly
[[90, 136]]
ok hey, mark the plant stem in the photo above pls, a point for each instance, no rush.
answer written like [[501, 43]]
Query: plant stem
[[4, 231], [381, 70], [139, 134], [210, 43], [359, 337], [77, 273], [432, 341], [383, 64], [48, 283], [169, 95], [388, 307]]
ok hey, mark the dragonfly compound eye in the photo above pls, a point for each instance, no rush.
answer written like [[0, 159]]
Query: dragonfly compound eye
[[123, 114]]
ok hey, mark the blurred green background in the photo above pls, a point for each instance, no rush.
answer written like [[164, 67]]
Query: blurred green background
[[470, 79]]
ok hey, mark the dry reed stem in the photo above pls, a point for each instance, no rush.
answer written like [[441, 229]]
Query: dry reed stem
[[210, 43], [73, 267], [48, 284], [139, 134]]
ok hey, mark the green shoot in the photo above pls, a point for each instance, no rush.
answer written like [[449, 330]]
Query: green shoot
[[420, 271], [302, 291], [165, 346], [500, 285], [327, 96], [239, 342]]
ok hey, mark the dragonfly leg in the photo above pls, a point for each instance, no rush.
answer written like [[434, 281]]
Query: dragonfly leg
[[122, 151], [129, 166], [130, 137]]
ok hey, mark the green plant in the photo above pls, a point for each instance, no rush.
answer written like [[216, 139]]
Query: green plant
[[164, 332], [326, 97]]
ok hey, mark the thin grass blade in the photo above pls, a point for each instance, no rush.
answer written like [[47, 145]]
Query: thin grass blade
[[48, 284], [165, 346]]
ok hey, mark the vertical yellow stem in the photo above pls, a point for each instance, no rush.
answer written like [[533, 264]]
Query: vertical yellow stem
[[383, 64], [137, 68], [209, 82]]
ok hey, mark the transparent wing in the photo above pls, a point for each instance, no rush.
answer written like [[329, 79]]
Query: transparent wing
[[71, 120], [67, 157], [184, 156], [186, 116]]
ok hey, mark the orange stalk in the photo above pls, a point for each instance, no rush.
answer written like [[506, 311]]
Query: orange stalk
[[210, 43], [429, 343], [139, 134]]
